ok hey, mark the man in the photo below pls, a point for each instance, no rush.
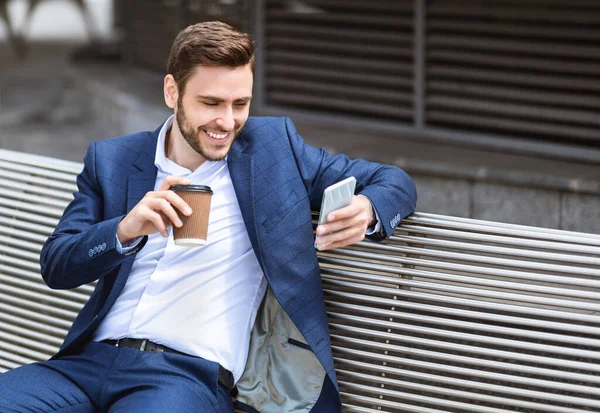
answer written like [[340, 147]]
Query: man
[[171, 329]]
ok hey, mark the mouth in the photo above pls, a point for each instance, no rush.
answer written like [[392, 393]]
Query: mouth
[[219, 137]]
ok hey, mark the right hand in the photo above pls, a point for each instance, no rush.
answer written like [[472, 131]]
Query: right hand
[[155, 212]]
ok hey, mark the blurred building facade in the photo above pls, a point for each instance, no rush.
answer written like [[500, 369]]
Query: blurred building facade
[[492, 106], [510, 75], [497, 102]]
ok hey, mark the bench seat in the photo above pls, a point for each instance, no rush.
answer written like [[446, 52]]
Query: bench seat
[[448, 315]]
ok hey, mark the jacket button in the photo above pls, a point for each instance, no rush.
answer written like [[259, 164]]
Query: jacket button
[[91, 252], [103, 246]]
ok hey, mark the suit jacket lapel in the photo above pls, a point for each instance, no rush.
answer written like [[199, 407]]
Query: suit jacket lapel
[[143, 179], [241, 169]]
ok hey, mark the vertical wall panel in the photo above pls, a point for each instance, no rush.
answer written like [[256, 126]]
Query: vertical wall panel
[[526, 69], [341, 57]]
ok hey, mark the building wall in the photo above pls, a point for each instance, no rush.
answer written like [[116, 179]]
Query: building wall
[[514, 76]]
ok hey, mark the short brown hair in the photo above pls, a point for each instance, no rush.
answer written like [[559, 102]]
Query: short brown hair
[[208, 44]]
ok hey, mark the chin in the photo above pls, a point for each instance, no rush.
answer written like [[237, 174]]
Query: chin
[[216, 155]]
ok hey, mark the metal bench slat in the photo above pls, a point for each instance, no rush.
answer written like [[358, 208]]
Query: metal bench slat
[[500, 251], [335, 307], [43, 210], [24, 182], [34, 337], [49, 304], [424, 388], [55, 179], [379, 402], [17, 253], [497, 306], [460, 312], [496, 239], [35, 199], [470, 373], [14, 243], [8, 358], [37, 161], [25, 347], [50, 331], [422, 398], [562, 303], [477, 281], [28, 220], [385, 370], [9, 234], [425, 217], [36, 286], [346, 408], [472, 269], [470, 258], [37, 316], [366, 264], [471, 355], [5, 260], [83, 291], [522, 232], [57, 302], [461, 337]]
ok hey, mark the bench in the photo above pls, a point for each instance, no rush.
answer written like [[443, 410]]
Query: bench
[[448, 315]]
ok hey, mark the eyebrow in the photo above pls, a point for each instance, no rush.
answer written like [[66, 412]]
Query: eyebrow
[[216, 99]]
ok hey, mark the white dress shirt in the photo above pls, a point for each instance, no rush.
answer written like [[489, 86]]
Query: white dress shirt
[[201, 300]]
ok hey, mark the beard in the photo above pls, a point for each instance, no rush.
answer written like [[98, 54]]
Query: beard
[[192, 137]]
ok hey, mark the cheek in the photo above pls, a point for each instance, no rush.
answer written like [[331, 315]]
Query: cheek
[[241, 118]]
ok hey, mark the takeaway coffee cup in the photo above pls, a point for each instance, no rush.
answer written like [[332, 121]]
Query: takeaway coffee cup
[[195, 227]]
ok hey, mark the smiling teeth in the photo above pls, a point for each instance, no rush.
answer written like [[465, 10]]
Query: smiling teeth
[[216, 136]]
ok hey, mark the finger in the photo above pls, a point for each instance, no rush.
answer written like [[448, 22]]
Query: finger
[[344, 242], [173, 180], [156, 219], [173, 199], [361, 219], [337, 225], [340, 236], [346, 212], [178, 202], [162, 205]]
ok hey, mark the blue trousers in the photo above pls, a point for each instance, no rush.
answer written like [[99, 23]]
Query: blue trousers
[[104, 378]]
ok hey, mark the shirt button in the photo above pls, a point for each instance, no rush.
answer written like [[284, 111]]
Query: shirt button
[[163, 267]]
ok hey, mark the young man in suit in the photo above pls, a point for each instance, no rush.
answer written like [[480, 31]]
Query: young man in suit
[[172, 329]]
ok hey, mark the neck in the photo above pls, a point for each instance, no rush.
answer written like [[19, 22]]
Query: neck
[[179, 151]]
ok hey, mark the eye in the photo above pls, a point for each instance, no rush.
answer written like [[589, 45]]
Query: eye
[[241, 105], [210, 104]]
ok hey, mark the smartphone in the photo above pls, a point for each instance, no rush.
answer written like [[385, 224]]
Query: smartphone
[[335, 197]]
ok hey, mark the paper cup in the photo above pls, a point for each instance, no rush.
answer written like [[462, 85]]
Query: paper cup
[[194, 231]]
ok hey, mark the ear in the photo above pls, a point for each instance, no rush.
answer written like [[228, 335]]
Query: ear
[[170, 91]]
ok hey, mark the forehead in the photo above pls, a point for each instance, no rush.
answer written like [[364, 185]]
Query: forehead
[[223, 82]]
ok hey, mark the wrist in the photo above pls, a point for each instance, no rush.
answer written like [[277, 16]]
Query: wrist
[[122, 234], [372, 216]]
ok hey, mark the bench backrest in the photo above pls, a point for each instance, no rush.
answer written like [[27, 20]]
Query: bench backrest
[[448, 315]]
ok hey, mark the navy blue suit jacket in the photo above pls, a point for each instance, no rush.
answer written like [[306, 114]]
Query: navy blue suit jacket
[[278, 180]]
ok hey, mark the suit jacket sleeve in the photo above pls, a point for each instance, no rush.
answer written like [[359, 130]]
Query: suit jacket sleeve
[[391, 191], [82, 248]]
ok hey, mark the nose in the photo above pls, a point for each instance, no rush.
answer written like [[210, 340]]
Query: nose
[[226, 121]]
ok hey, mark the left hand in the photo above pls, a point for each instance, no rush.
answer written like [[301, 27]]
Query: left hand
[[347, 225]]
